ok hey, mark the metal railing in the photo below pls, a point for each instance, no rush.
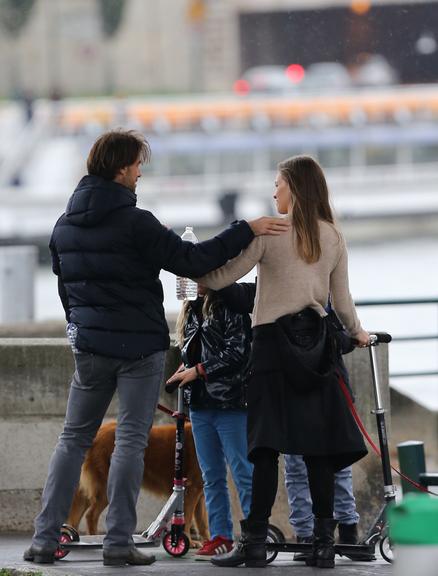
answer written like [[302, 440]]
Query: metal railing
[[408, 337]]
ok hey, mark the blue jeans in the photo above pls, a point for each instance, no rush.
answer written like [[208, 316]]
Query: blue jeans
[[220, 439], [300, 502], [95, 381]]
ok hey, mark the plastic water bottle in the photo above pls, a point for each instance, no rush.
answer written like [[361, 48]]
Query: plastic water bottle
[[186, 289]]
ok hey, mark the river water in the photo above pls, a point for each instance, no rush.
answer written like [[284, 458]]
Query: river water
[[389, 270]]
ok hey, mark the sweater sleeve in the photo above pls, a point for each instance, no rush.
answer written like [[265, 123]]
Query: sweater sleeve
[[340, 294], [236, 268]]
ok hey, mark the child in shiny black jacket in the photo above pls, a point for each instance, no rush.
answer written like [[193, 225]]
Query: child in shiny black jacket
[[215, 346]]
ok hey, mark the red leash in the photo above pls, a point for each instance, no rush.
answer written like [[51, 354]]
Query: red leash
[[370, 440], [165, 409], [169, 411], [359, 422]]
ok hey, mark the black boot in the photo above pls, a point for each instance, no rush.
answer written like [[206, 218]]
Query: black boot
[[323, 553], [249, 550], [301, 556], [347, 533]]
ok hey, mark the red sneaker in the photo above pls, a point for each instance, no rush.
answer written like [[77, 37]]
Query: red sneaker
[[218, 545]]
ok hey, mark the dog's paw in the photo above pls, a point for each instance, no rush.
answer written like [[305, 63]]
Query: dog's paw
[[195, 539]]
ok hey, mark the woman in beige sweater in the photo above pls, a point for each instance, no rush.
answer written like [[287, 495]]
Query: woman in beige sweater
[[295, 405]]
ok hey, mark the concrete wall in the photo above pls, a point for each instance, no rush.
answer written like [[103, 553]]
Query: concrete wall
[[35, 377], [412, 421], [35, 381]]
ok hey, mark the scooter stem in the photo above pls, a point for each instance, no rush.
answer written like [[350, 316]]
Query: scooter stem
[[375, 374]]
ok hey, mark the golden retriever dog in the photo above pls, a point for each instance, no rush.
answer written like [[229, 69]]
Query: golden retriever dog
[[159, 459]]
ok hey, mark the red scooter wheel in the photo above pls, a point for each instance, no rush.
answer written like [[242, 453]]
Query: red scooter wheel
[[68, 534], [182, 545]]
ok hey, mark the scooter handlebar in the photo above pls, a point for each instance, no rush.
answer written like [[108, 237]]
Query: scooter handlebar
[[380, 338], [170, 388], [377, 338]]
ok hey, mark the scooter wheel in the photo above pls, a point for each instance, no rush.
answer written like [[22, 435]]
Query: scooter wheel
[[68, 534], [386, 549], [182, 545], [275, 535]]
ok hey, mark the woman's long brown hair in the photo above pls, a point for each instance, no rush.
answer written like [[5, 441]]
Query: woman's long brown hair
[[310, 203]]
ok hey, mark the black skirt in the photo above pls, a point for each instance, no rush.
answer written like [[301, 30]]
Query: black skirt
[[288, 417]]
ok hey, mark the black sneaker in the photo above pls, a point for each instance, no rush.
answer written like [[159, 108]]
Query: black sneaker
[[39, 555], [113, 557]]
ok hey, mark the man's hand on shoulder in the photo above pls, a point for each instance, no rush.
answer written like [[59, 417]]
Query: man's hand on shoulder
[[269, 225]]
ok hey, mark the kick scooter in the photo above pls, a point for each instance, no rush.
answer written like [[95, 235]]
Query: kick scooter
[[168, 527], [378, 533]]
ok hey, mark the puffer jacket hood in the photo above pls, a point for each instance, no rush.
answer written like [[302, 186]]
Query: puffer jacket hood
[[94, 198]]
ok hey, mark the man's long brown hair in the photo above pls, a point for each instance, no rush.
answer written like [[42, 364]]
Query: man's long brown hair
[[115, 150], [310, 203]]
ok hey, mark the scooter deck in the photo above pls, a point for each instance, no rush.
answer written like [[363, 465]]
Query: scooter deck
[[354, 551], [96, 543]]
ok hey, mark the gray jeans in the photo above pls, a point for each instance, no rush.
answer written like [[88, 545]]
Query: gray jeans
[[94, 383]]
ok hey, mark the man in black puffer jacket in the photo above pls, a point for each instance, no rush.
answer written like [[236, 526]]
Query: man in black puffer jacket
[[107, 254]]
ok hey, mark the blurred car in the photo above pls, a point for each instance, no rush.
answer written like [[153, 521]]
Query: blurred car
[[323, 76], [265, 79], [375, 71]]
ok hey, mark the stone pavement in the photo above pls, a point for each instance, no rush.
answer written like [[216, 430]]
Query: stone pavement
[[89, 563]]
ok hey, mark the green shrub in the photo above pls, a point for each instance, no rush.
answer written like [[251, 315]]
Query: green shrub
[[13, 572]]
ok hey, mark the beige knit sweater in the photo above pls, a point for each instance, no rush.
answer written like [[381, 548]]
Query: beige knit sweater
[[286, 284]]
